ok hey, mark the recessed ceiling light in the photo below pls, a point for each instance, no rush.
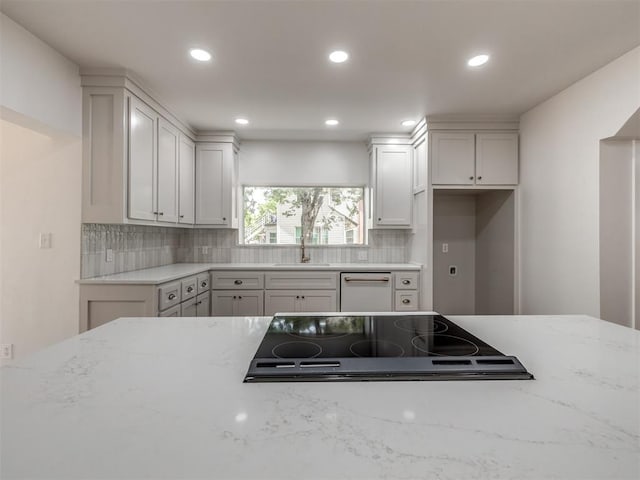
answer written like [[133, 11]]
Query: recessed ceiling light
[[242, 121], [200, 55], [339, 56], [408, 123], [478, 60], [332, 122]]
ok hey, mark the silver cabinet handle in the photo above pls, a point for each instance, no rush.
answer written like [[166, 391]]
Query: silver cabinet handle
[[203, 284], [353, 279], [155, 213], [161, 213], [198, 303], [224, 219], [406, 300], [189, 289], [172, 296], [470, 178], [234, 297], [181, 216], [239, 297], [237, 282], [406, 282]]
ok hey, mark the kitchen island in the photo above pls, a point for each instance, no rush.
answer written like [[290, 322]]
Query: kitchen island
[[164, 398]]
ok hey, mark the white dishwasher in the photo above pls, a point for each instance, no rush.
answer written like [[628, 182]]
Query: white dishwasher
[[366, 292]]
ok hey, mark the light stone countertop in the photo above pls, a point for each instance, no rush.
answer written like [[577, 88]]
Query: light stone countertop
[[151, 398], [168, 273]]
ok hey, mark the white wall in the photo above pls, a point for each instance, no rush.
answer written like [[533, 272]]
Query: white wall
[[40, 192], [37, 81], [559, 158], [285, 163], [40, 185]]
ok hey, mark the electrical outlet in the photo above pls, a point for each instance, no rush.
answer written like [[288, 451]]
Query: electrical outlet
[[6, 350], [445, 248], [362, 255], [109, 255]]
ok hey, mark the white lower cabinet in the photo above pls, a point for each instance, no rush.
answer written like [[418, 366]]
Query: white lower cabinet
[[237, 293], [406, 291], [283, 292], [300, 301], [199, 306], [172, 312], [237, 303], [188, 308]]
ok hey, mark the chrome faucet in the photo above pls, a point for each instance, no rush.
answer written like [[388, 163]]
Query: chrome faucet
[[303, 257]]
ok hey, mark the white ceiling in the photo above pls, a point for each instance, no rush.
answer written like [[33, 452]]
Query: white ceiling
[[408, 58]]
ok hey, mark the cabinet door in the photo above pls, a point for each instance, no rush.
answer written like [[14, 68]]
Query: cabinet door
[[203, 305], [214, 163], [186, 180], [171, 312], [222, 303], [249, 303], [168, 136], [452, 158], [142, 161], [189, 308], [497, 158], [393, 186], [280, 301], [317, 301]]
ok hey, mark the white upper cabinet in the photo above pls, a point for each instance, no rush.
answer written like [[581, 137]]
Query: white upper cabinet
[[453, 158], [392, 182], [142, 161], [131, 150], [469, 158], [167, 193], [186, 180], [215, 184], [497, 158]]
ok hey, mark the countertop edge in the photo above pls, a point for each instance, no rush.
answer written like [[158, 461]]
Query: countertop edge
[[168, 273]]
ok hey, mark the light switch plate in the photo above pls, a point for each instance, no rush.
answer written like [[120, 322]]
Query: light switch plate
[[45, 240], [109, 255]]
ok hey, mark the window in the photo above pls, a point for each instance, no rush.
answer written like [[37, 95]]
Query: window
[[324, 215]]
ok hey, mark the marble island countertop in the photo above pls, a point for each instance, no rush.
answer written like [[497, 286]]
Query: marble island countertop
[[150, 398], [168, 273]]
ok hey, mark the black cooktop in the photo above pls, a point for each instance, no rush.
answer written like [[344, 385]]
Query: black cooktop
[[327, 347]]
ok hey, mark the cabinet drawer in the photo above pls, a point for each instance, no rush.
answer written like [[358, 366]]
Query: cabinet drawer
[[203, 283], [189, 287], [406, 301], [169, 295], [237, 280], [300, 280], [406, 280]]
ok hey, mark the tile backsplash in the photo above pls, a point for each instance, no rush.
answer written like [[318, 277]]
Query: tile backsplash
[[136, 247]]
